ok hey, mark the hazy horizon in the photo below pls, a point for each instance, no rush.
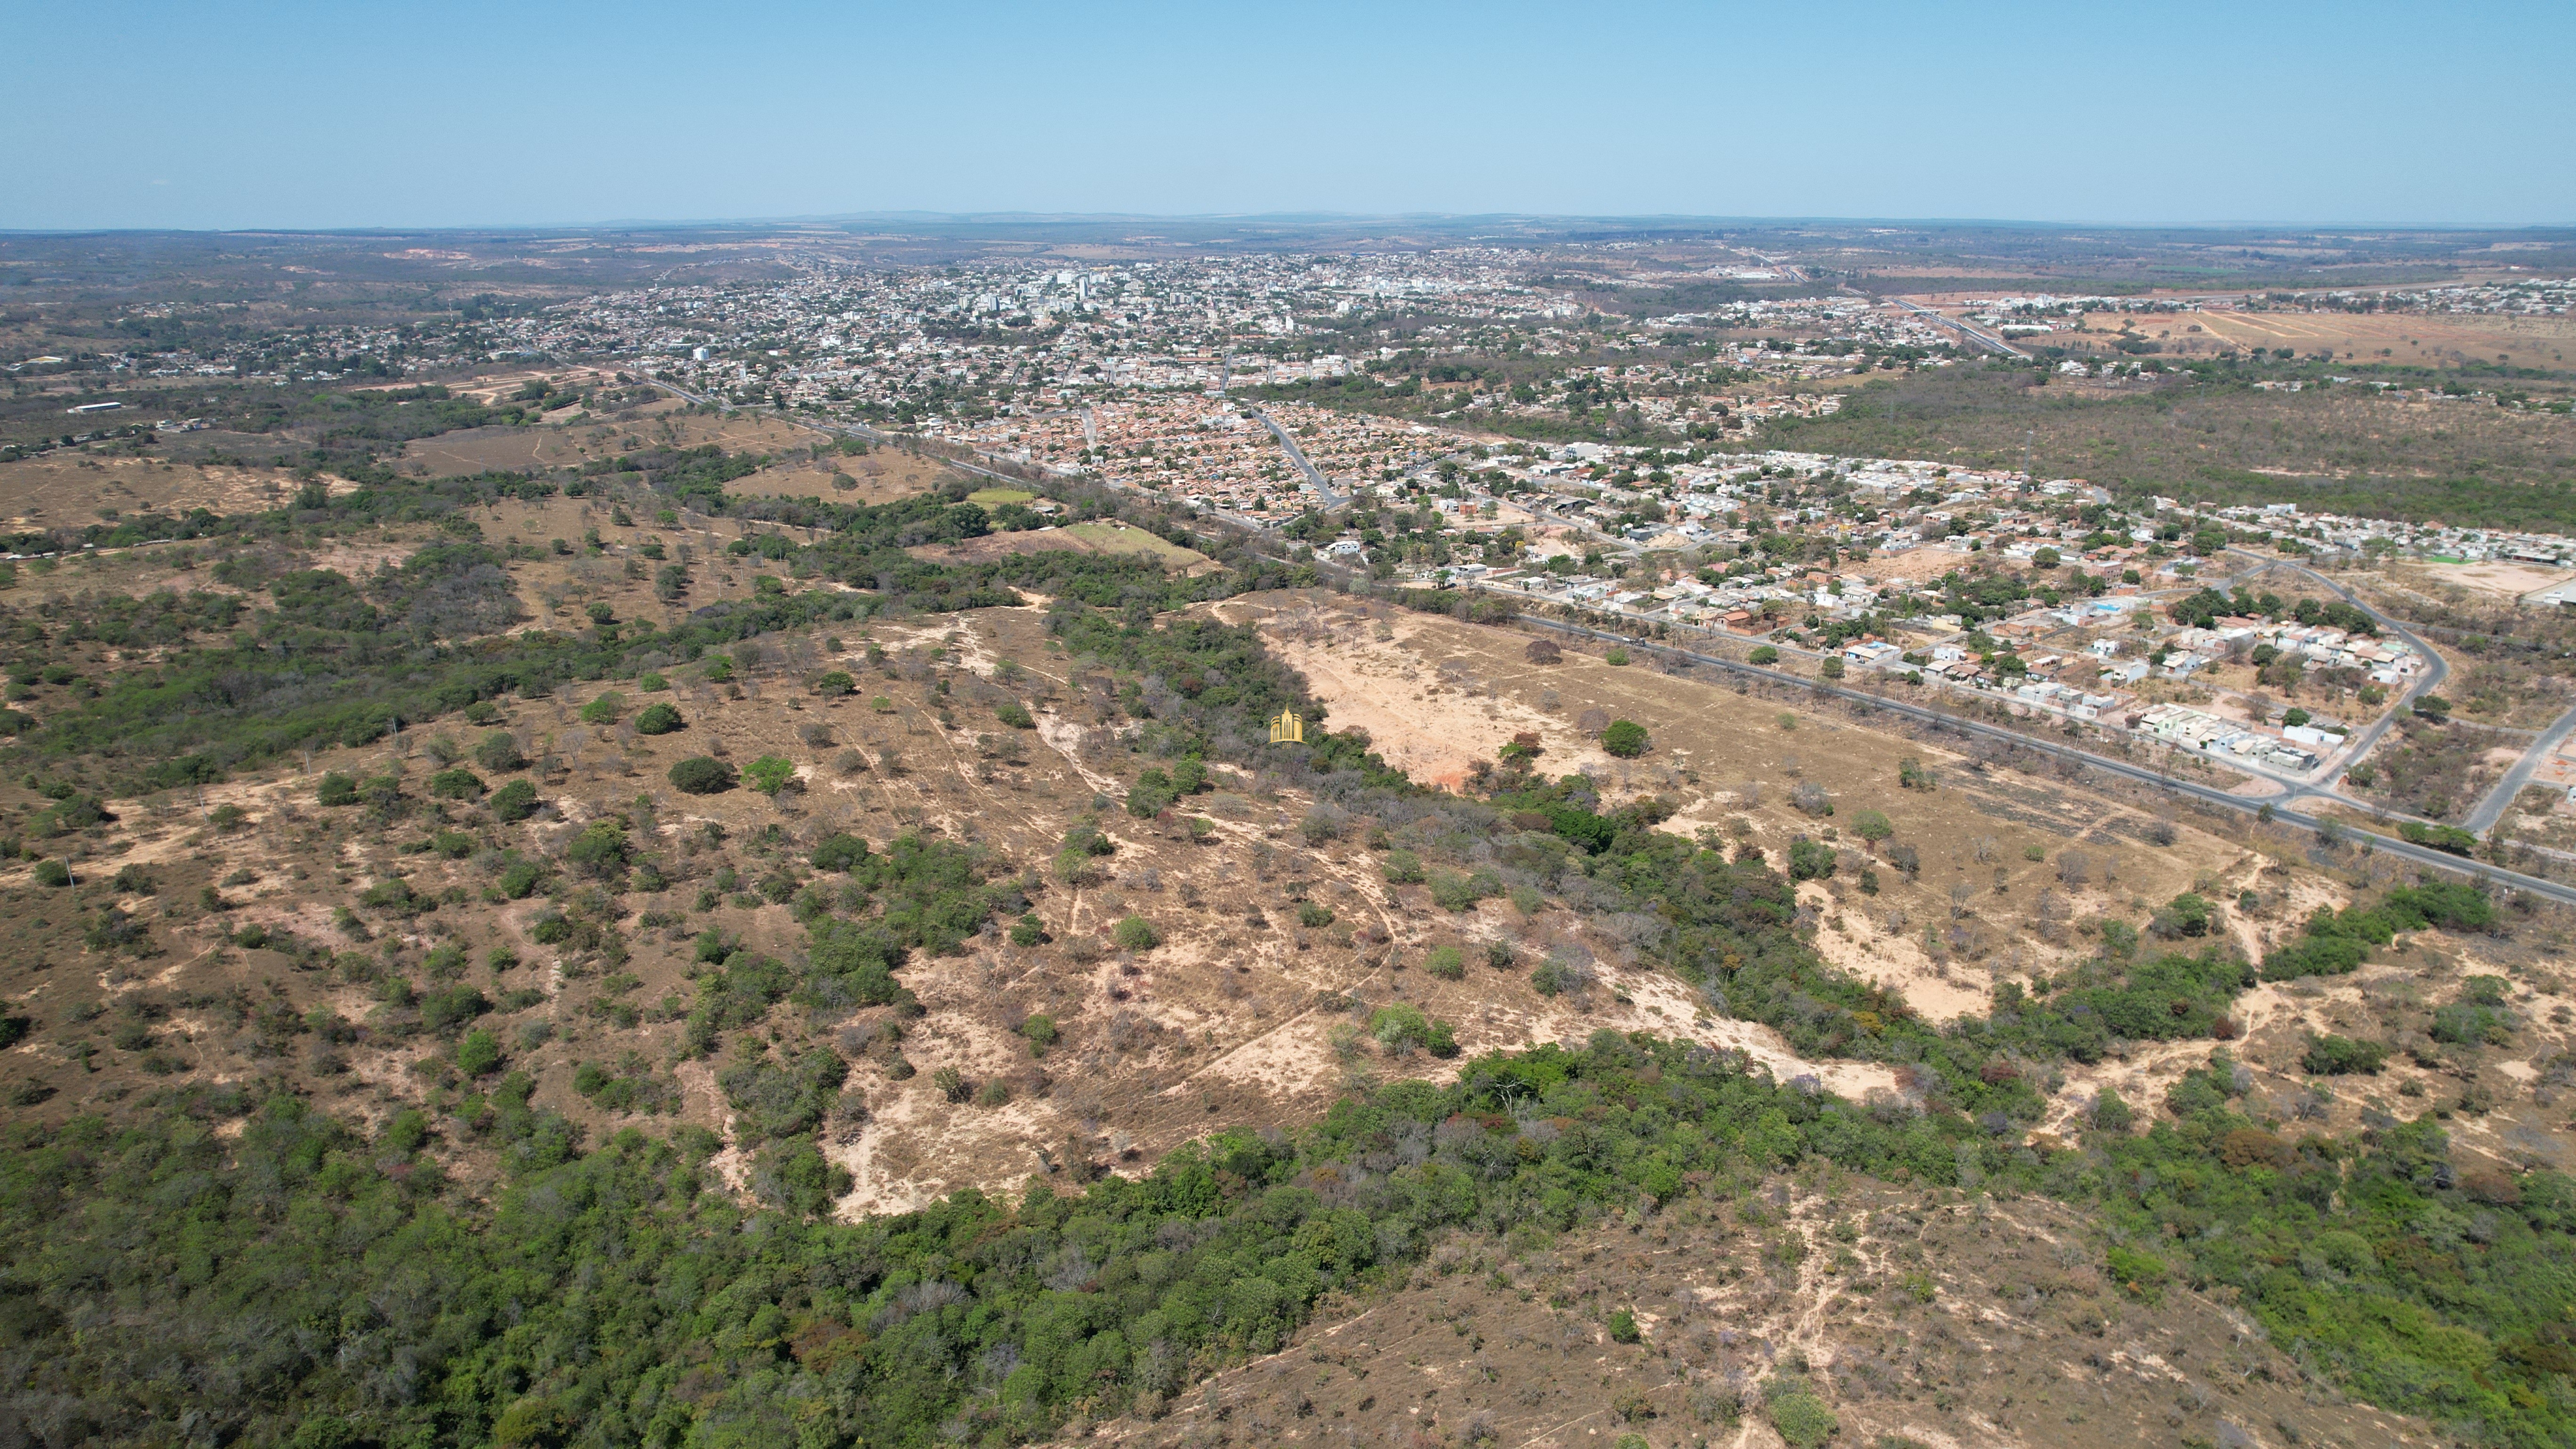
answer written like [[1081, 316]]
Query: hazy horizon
[[997, 218], [301, 117]]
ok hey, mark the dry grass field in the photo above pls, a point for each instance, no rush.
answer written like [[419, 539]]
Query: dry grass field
[[65, 490], [2428, 340], [1097, 538]]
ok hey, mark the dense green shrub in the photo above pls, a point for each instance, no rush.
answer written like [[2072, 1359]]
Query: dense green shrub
[[520, 878], [456, 784], [1810, 859], [450, 1007], [781, 1099], [2477, 1016], [1015, 714], [1800, 1417], [2187, 914], [2335, 942], [1403, 1027], [514, 802], [2109, 1113], [601, 847], [2440, 837], [1452, 891], [700, 775], [478, 1054], [605, 709], [1624, 739], [1135, 933], [769, 774], [2334, 1056], [840, 851], [499, 753], [659, 718]]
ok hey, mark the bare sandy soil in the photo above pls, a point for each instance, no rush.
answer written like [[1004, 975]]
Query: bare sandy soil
[[2503, 579]]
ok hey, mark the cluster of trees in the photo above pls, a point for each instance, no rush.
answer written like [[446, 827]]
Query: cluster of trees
[[2206, 607], [302, 1281], [336, 660], [2334, 942]]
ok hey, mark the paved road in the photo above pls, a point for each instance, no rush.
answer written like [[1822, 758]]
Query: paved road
[[1322, 487], [1325, 496], [1963, 329], [2435, 671], [2492, 808], [2420, 855]]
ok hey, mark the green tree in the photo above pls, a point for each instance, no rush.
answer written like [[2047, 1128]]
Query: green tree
[[479, 1054], [699, 775], [514, 802], [499, 753]]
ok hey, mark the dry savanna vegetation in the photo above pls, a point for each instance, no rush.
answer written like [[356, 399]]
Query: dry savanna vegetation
[[855, 960]]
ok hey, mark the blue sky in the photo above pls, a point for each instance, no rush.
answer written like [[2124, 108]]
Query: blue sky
[[293, 114]]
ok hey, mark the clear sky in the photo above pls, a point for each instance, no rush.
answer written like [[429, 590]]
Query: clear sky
[[300, 114]]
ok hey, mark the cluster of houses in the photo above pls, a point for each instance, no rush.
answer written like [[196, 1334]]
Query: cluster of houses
[[2296, 748]]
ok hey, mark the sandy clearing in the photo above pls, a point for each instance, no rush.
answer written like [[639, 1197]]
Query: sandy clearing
[[1426, 724], [1852, 944]]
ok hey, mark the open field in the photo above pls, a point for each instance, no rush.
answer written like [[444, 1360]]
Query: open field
[[2336, 449], [58, 490], [2423, 340], [2508, 582], [573, 440], [1095, 538]]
